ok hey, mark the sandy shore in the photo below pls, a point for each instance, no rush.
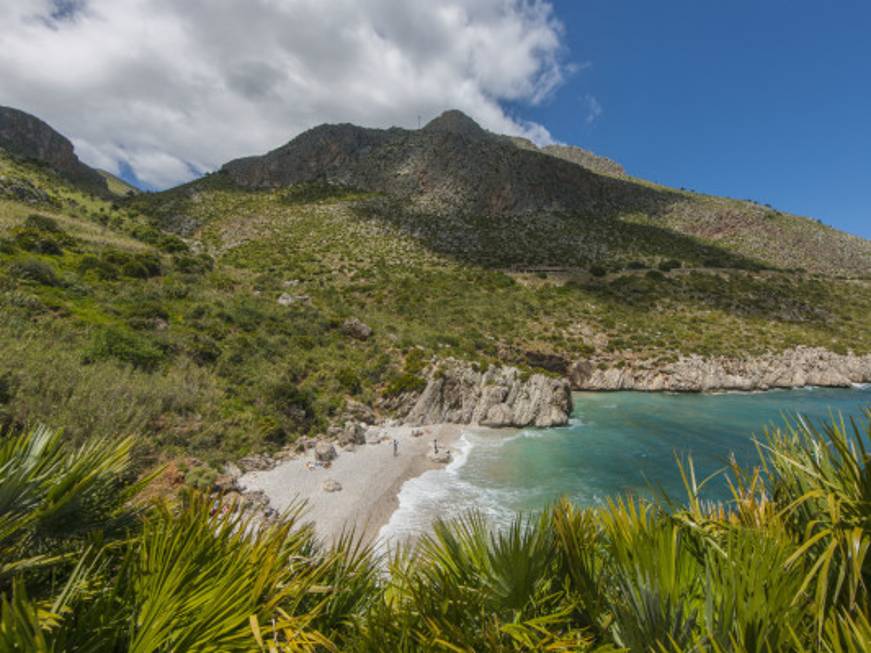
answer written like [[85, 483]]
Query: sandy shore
[[370, 475]]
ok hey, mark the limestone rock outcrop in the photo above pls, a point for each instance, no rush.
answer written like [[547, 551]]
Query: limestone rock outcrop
[[801, 366], [500, 396]]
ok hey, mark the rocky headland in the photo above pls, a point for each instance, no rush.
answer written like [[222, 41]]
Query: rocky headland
[[457, 393]]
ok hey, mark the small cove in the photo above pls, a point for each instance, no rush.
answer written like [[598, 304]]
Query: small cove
[[615, 443]]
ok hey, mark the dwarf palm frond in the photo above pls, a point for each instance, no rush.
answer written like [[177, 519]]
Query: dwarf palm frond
[[823, 480], [52, 498]]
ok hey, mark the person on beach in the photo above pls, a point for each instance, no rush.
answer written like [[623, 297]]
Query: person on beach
[[395, 447], [435, 446]]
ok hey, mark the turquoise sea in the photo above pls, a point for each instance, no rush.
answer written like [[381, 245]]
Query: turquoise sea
[[615, 443]]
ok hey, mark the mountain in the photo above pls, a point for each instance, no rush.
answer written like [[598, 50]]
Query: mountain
[[27, 136], [452, 167]]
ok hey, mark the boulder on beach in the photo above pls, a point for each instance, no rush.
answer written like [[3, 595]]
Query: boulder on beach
[[325, 452], [353, 433], [331, 485], [374, 435], [442, 457]]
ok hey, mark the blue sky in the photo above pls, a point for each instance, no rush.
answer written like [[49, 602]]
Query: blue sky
[[768, 101]]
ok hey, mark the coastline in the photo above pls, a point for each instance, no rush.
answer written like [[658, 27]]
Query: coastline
[[799, 367], [370, 475]]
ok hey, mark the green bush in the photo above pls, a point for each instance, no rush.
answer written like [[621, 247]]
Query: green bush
[[38, 242], [102, 267], [669, 265], [349, 380], [189, 264], [201, 477], [203, 350], [142, 266], [42, 223], [126, 347], [293, 402], [32, 269], [405, 383], [169, 243], [598, 271]]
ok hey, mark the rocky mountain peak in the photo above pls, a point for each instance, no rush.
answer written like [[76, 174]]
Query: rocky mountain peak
[[27, 136], [456, 122], [452, 165]]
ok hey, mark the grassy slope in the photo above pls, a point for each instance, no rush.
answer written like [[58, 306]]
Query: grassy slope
[[118, 186], [199, 356]]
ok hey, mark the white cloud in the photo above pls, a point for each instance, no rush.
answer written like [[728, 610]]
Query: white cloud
[[173, 86], [594, 109]]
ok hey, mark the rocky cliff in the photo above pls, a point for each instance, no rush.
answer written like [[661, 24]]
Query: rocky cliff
[[451, 165], [499, 397], [27, 136], [802, 366]]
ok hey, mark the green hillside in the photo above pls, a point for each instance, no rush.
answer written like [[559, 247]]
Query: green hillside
[[118, 186], [159, 315]]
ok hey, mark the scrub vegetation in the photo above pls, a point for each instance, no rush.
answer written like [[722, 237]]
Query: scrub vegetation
[[784, 566]]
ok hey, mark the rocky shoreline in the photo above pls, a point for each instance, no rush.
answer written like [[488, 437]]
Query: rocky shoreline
[[794, 368]]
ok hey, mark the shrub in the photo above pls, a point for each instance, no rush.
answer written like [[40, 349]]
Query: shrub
[[33, 269], [203, 350], [7, 390], [636, 265], [141, 266], [669, 265], [349, 380], [405, 383], [655, 275], [598, 271], [125, 347], [38, 242], [201, 477], [164, 241], [104, 269], [193, 264], [293, 402], [42, 223]]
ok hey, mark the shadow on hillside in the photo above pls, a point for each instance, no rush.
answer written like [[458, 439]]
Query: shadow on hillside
[[596, 236]]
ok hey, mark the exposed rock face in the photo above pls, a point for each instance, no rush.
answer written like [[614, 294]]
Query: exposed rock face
[[28, 136], [456, 393], [452, 164], [802, 366]]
